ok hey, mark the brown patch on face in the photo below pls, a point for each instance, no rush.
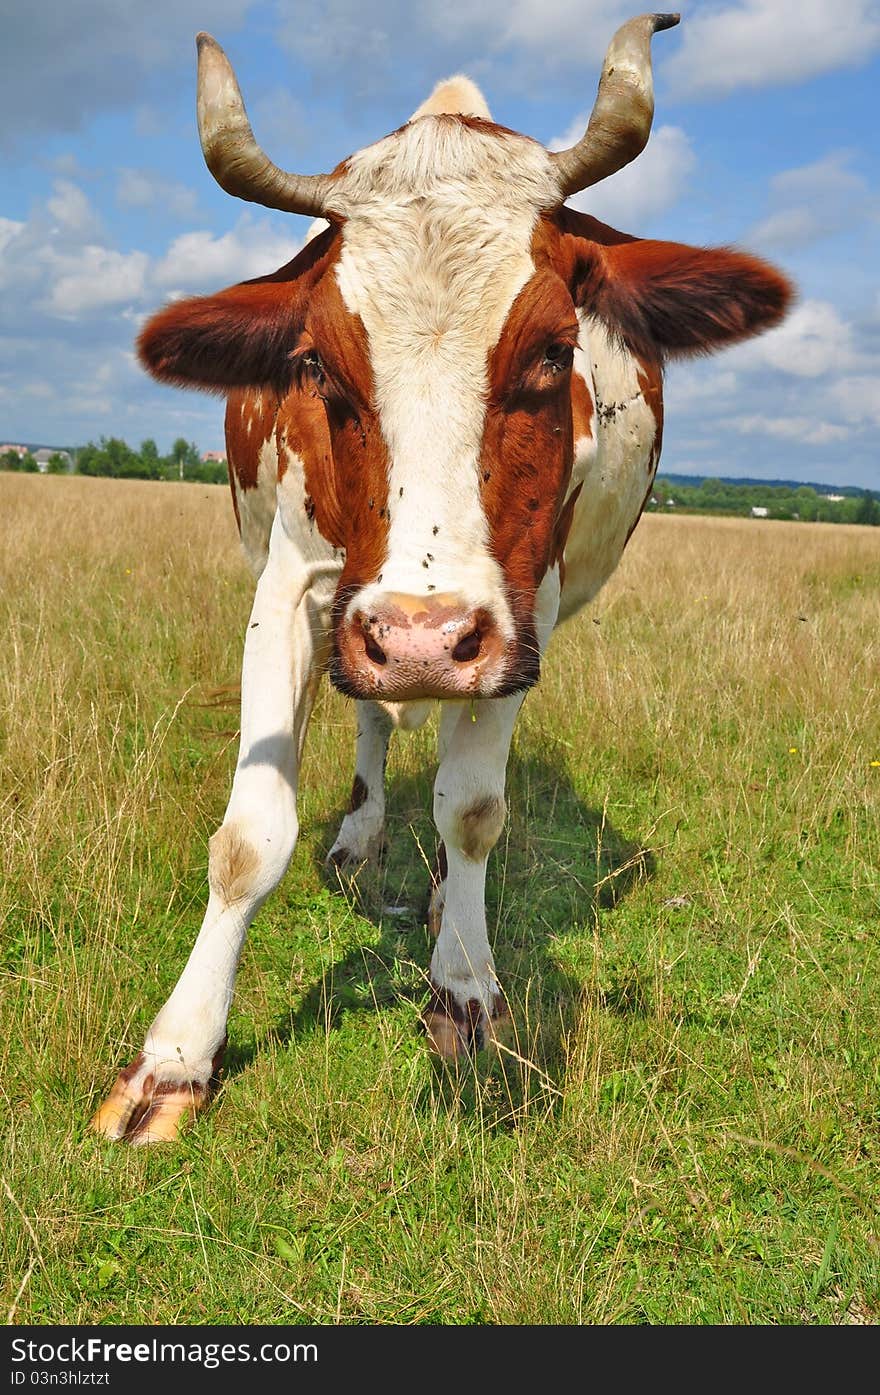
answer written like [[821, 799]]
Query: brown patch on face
[[528, 436], [359, 795], [480, 826], [329, 420], [291, 337], [232, 864]]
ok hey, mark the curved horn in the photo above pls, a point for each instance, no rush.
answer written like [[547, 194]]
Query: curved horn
[[231, 153], [621, 120]]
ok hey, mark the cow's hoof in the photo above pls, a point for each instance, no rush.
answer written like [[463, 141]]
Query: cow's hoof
[[141, 1109], [455, 1031]]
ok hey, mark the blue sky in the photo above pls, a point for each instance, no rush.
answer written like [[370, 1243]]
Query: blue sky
[[764, 136]]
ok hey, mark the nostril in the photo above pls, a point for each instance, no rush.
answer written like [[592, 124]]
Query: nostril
[[373, 650], [468, 648]]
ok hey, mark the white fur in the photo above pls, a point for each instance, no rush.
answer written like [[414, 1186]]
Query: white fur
[[436, 248]]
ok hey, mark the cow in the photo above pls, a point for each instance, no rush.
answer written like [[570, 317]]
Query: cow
[[443, 422]]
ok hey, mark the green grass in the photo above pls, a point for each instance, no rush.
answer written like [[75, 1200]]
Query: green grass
[[683, 905]]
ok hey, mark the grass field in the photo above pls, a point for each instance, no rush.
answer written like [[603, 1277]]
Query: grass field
[[684, 909]]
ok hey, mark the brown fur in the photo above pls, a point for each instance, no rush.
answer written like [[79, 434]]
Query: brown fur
[[527, 447], [232, 864], [480, 826], [359, 795]]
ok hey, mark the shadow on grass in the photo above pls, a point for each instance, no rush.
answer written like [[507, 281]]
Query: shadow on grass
[[559, 864]]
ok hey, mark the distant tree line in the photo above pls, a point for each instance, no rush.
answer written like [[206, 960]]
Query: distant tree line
[[781, 501], [115, 459]]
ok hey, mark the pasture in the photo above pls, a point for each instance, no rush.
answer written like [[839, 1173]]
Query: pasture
[[683, 907]]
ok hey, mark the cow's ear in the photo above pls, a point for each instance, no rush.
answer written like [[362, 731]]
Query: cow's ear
[[241, 337], [666, 299]]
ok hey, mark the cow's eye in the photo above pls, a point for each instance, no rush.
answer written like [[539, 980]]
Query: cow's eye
[[312, 365], [558, 357], [308, 370]]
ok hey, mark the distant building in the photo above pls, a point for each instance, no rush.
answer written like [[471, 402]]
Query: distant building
[[833, 498], [19, 450], [44, 455], [758, 511], [218, 455]]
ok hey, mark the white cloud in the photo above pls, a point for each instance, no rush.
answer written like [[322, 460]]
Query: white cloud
[[196, 260], [758, 43], [282, 124], [807, 430], [55, 267], [9, 229], [815, 201], [813, 342], [702, 385], [149, 121], [858, 398], [642, 189], [578, 32], [67, 164], [829, 177], [338, 34], [788, 228], [38, 388], [137, 188], [94, 278], [71, 210], [72, 61]]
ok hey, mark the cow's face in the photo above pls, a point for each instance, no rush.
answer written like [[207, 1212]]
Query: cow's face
[[443, 358], [421, 348]]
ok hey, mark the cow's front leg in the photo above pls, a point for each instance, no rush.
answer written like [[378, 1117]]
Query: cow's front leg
[[360, 836], [170, 1079], [467, 1009]]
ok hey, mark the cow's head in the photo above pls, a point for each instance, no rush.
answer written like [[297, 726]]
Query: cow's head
[[422, 347]]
